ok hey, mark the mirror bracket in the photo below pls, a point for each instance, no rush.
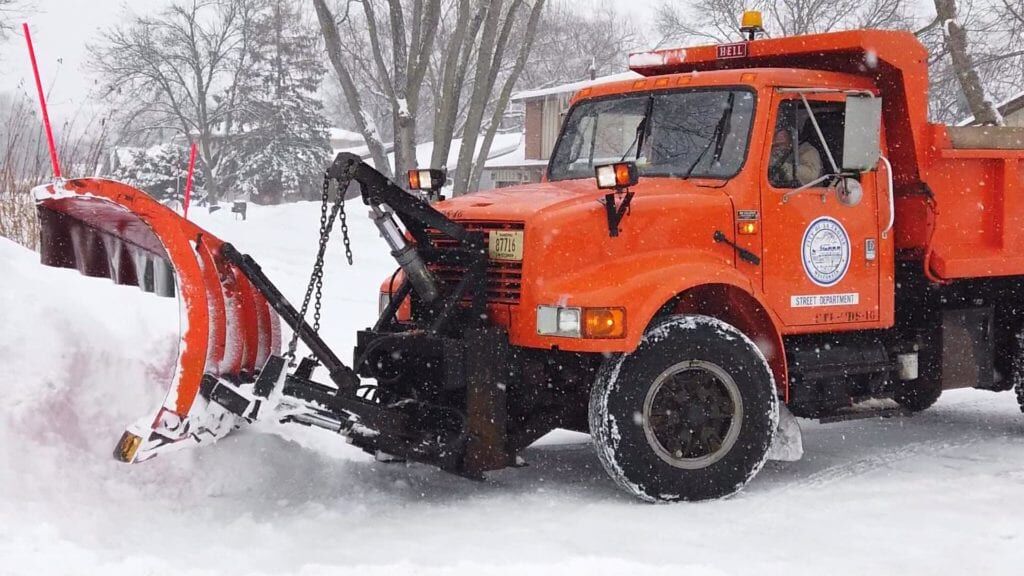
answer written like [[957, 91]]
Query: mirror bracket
[[812, 184], [616, 212]]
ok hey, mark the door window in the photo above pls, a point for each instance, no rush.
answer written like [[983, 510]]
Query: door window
[[798, 154]]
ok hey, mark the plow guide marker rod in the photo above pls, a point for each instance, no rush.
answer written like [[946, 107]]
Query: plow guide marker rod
[[42, 102]]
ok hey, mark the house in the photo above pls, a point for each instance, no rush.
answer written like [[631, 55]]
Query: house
[[542, 111], [1012, 110], [342, 139]]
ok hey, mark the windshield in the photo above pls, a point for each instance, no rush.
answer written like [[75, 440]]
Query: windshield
[[701, 133]]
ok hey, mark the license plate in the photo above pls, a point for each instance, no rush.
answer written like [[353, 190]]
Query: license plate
[[505, 245]]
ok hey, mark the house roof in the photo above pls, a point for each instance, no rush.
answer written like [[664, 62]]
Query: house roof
[[1012, 104], [1008, 106], [502, 144], [573, 86], [512, 158], [342, 134]]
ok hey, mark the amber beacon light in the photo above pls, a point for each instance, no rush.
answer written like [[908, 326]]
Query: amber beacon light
[[751, 24]]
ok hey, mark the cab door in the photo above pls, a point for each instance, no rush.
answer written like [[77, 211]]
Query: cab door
[[821, 257]]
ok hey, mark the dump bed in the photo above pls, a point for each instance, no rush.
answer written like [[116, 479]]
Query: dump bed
[[965, 216]]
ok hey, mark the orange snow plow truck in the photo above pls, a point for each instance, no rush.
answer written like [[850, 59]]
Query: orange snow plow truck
[[742, 234]]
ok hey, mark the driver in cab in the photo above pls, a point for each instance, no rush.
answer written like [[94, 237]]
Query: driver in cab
[[787, 171]]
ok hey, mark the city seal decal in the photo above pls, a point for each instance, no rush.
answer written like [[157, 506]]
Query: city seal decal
[[826, 251]]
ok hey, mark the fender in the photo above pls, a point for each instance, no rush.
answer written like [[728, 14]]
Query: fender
[[643, 284]]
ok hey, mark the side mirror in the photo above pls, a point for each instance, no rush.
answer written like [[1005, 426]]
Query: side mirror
[[861, 146]]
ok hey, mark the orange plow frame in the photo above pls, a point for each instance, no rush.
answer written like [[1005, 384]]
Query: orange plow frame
[[107, 229]]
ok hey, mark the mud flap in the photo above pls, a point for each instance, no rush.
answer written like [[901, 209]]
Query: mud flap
[[788, 445], [107, 229]]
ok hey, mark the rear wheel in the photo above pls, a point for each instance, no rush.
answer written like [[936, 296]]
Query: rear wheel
[[689, 415], [1011, 364]]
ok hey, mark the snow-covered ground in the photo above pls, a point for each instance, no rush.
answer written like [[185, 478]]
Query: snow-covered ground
[[939, 493]]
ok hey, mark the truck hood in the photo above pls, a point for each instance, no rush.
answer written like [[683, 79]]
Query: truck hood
[[518, 203]]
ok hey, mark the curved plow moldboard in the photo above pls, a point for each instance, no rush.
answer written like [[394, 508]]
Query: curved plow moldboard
[[107, 229]]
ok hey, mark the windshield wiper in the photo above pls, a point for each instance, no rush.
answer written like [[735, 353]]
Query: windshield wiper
[[641, 132], [717, 137]]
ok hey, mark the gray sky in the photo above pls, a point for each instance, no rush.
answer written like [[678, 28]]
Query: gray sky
[[60, 31], [62, 28]]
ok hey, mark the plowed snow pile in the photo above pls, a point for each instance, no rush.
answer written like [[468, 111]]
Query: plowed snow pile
[[80, 358]]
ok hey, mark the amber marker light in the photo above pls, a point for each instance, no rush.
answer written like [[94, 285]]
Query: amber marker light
[[604, 322], [127, 447], [431, 179], [748, 228], [619, 175]]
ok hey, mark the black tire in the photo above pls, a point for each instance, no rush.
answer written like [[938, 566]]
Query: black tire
[[679, 358], [1015, 366]]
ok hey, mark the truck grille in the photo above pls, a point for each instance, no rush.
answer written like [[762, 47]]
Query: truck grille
[[504, 278]]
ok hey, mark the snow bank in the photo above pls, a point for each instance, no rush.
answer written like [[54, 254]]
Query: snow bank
[[81, 358]]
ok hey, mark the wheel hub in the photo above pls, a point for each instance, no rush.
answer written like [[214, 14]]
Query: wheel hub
[[692, 414]]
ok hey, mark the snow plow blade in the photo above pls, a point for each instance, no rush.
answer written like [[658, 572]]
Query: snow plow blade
[[107, 229]]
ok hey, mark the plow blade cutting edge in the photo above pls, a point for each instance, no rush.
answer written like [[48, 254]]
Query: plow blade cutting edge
[[228, 330]]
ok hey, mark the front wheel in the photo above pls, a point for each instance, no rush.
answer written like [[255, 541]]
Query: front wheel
[[689, 415]]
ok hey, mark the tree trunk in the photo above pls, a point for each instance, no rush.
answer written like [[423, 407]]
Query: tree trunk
[[453, 75], [982, 107], [364, 123], [506, 93], [478, 101], [206, 165], [403, 121]]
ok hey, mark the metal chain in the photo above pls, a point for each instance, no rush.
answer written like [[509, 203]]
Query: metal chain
[[318, 267], [344, 228], [316, 279]]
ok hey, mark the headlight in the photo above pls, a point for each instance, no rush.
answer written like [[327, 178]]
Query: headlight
[[581, 322], [382, 304], [558, 321]]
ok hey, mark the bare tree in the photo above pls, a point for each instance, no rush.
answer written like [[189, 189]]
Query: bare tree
[[399, 71], [958, 70], [477, 167], [490, 55], [181, 70], [25, 163], [576, 39], [996, 51], [718, 20], [980, 104], [455, 62], [9, 11], [463, 52]]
